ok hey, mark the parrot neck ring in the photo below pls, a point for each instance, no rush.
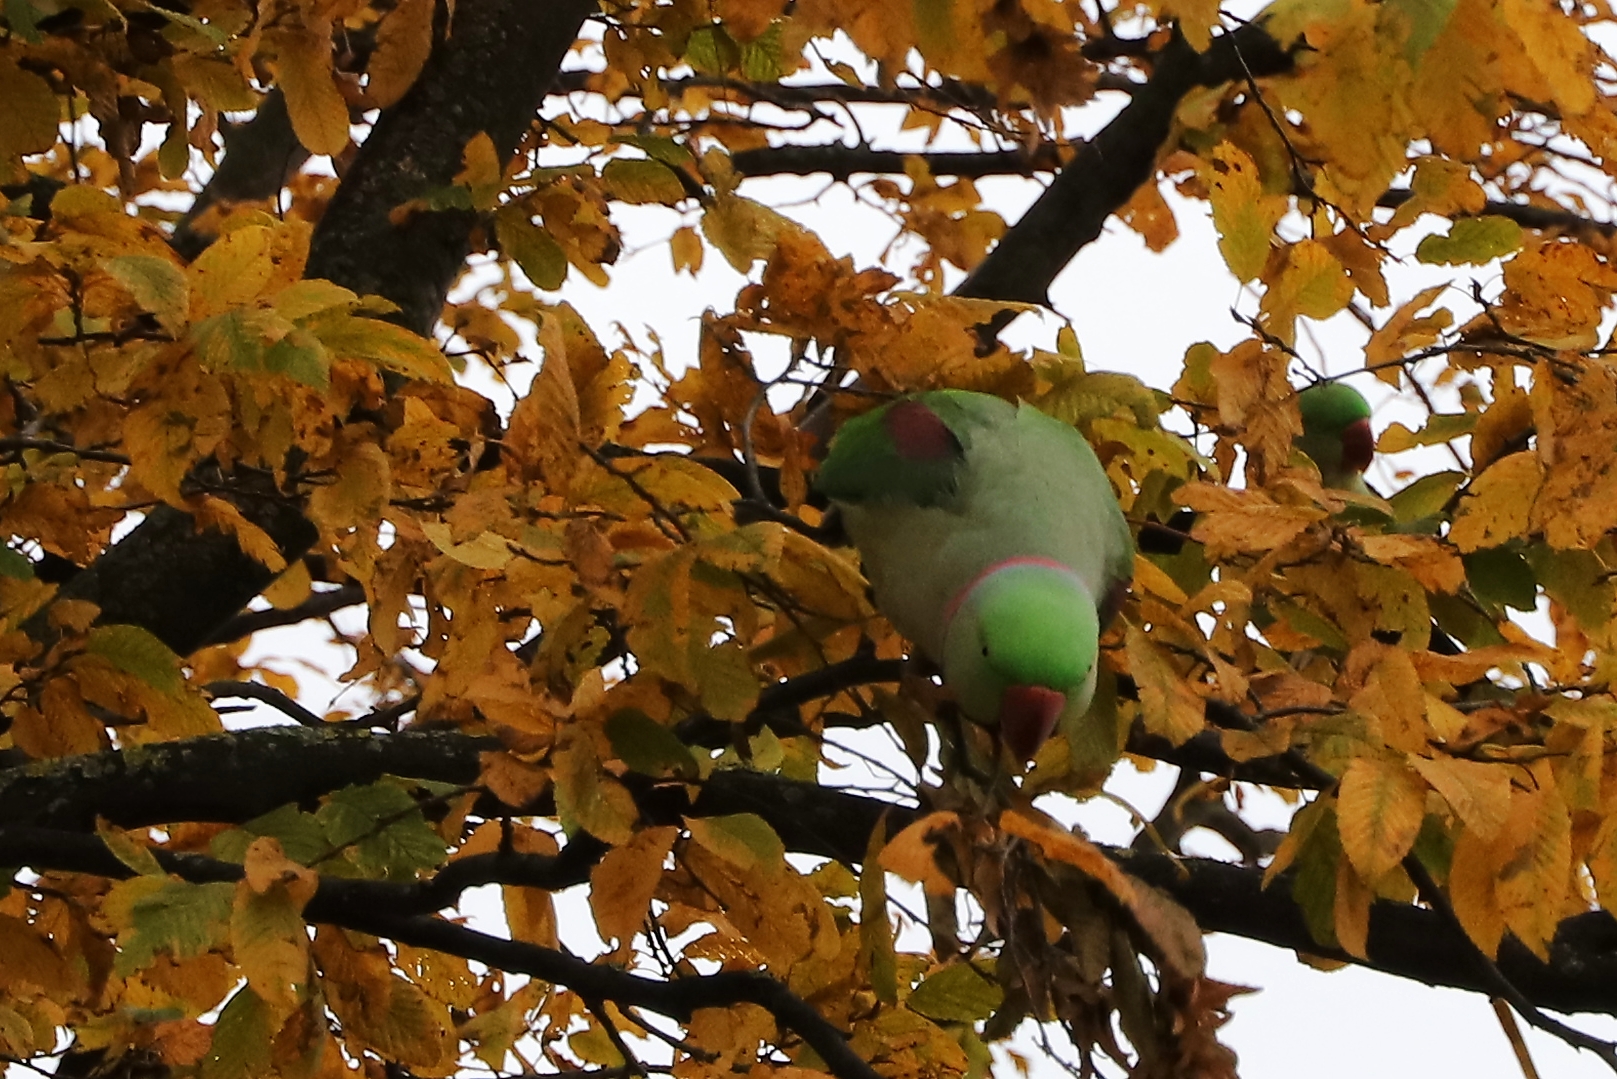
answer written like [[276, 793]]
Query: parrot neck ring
[[960, 597]]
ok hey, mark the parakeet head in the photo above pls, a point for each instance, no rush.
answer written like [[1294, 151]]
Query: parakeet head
[[1020, 650], [1336, 432]]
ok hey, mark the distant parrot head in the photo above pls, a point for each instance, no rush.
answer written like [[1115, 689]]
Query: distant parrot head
[[1336, 433], [1020, 650]]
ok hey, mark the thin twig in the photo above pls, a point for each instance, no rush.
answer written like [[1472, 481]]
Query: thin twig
[[258, 691]]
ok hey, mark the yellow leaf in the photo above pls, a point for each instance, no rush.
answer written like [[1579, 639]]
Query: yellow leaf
[[486, 550], [1479, 793], [1149, 214], [403, 43], [623, 881], [911, 854], [1425, 558], [384, 344], [1168, 706], [60, 727], [255, 543], [1074, 850], [243, 265], [686, 248], [744, 231], [128, 850], [745, 840], [1534, 855], [1563, 55], [28, 121], [269, 942], [1244, 216], [642, 181], [1379, 811], [358, 491], [1351, 913], [319, 114], [1311, 284], [1471, 891], [28, 960], [1499, 503], [546, 425]]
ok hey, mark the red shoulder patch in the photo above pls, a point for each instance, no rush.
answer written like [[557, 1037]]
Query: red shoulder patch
[[918, 434], [1358, 446]]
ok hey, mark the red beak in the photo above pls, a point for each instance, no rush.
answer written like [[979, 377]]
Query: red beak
[[1027, 717]]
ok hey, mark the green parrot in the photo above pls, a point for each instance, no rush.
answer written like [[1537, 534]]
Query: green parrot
[[1336, 434], [992, 540]]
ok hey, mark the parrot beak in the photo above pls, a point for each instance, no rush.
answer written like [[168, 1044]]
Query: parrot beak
[[1027, 717]]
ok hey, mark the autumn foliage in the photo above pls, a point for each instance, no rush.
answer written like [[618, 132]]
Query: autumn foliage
[[609, 632]]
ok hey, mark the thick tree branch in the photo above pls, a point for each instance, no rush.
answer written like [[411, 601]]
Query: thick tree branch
[[179, 583], [1112, 166], [1405, 941], [226, 777], [488, 77]]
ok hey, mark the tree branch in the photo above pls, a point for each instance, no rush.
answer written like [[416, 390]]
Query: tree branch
[[490, 76], [366, 906], [316, 606], [1112, 166], [259, 156], [842, 162]]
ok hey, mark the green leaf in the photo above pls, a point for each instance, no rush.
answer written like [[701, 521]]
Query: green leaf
[[531, 248], [241, 1040], [875, 927], [1313, 884], [1424, 20], [127, 850], [1463, 621], [383, 829], [1472, 240], [383, 344], [180, 918], [648, 747], [711, 51], [958, 993], [300, 356], [301, 836], [670, 152], [642, 181], [156, 284], [23, 18], [137, 651], [762, 58], [15, 564], [1501, 575], [1426, 497], [1305, 621], [229, 340]]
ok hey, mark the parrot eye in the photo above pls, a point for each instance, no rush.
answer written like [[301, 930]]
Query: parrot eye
[[985, 650]]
